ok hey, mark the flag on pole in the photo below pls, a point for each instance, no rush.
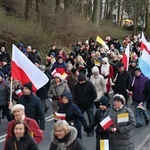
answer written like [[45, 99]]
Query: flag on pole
[[144, 63], [104, 144], [106, 123], [144, 44], [25, 71], [124, 117], [125, 59], [59, 116], [99, 40]]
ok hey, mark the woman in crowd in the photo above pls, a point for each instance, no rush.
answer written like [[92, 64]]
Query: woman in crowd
[[121, 132], [73, 114], [21, 138], [99, 83], [64, 137]]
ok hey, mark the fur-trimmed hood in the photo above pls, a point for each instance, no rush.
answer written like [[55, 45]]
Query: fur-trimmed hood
[[72, 137]]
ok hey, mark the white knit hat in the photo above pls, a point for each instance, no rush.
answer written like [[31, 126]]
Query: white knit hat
[[95, 69], [16, 107], [105, 59]]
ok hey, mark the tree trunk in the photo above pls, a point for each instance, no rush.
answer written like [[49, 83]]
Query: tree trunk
[[27, 9], [96, 12]]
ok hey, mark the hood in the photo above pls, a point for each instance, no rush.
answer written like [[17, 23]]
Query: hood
[[67, 94]]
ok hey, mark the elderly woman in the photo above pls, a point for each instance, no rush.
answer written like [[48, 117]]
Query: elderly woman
[[120, 133], [99, 83], [65, 137], [21, 138]]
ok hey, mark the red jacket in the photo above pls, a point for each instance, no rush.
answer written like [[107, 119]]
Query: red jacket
[[34, 128]]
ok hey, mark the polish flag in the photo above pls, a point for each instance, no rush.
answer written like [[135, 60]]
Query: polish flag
[[59, 116], [125, 59], [106, 123], [144, 44], [25, 71]]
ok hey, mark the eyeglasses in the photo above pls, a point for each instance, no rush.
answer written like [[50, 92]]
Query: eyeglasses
[[58, 131]]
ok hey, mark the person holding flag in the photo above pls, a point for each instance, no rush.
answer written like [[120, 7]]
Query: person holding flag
[[120, 131]]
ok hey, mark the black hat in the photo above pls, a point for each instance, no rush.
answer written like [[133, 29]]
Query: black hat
[[73, 70], [137, 68], [81, 77], [1, 74], [104, 101], [119, 64], [28, 85], [119, 97]]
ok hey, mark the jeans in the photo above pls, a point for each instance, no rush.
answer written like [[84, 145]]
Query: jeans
[[90, 114], [139, 113]]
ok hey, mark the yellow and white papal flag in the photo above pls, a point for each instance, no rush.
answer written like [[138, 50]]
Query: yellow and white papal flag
[[124, 117], [104, 144]]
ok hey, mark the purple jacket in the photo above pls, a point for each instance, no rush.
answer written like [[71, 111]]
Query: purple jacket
[[138, 87]]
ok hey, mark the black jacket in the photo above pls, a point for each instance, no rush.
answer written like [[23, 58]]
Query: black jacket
[[85, 94], [25, 143], [33, 108]]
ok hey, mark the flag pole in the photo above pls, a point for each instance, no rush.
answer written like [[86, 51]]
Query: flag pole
[[10, 100]]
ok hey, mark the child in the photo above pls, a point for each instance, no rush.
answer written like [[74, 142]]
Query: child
[[100, 133]]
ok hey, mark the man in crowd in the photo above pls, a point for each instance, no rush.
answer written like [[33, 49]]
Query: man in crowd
[[33, 105], [85, 94]]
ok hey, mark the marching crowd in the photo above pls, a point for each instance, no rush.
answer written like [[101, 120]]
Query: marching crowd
[[78, 82]]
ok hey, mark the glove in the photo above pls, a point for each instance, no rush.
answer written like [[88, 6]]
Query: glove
[[105, 77]]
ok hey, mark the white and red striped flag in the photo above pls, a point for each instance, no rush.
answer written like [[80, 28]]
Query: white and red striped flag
[[25, 71], [125, 59], [106, 123], [144, 44]]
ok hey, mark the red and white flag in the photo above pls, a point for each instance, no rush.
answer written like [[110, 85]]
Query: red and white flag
[[25, 71], [59, 116], [144, 44], [106, 123], [125, 59]]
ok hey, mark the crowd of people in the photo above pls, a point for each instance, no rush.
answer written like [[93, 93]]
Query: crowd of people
[[78, 82]]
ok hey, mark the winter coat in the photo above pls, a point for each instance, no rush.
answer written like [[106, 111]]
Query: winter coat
[[4, 93], [57, 90], [34, 128], [72, 143], [85, 94], [122, 83], [35, 57], [71, 81], [138, 86], [60, 67], [97, 119], [33, 108], [99, 84], [146, 94], [25, 143], [73, 113], [123, 138]]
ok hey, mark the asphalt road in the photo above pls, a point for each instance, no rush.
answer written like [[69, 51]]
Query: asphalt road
[[89, 142]]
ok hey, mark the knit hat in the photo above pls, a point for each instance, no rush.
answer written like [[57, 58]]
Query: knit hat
[[28, 85], [95, 69], [1, 74], [137, 68], [105, 59], [119, 64], [104, 101], [58, 75], [73, 70], [16, 107], [119, 97], [81, 77]]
